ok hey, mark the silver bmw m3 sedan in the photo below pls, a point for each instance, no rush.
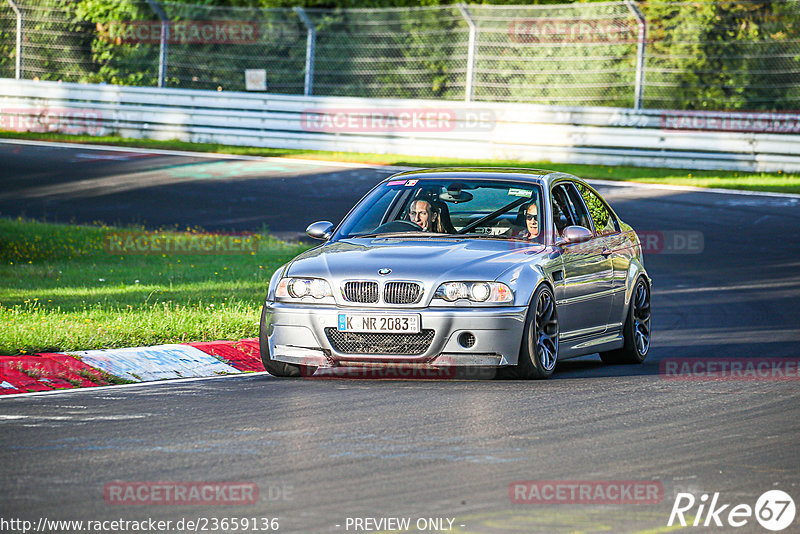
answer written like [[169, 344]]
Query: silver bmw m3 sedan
[[512, 269]]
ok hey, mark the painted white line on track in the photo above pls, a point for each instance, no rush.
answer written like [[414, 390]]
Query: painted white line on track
[[116, 387], [376, 166], [74, 417]]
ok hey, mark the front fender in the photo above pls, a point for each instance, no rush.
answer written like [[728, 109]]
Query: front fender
[[524, 279]]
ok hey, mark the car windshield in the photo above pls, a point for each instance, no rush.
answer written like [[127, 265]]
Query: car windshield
[[452, 207]]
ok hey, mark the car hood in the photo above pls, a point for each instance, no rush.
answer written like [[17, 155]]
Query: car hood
[[429, 260]]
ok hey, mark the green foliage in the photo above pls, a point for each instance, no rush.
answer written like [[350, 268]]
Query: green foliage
[[407, 54], [723, 55], [8, 36], [113, 60], [547, 56]]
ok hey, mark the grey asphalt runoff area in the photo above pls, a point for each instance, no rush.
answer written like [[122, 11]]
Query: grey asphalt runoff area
[[326, 452]]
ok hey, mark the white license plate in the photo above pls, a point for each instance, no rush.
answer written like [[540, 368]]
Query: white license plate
[[380, 324]]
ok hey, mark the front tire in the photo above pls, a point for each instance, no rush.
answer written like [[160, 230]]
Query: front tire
[[636, 330], [539, 351], [275, 368]]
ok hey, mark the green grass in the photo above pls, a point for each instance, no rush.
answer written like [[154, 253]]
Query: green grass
[[773, 182], [61, 289]]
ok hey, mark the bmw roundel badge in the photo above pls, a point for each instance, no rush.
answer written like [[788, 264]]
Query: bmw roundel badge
[[384, 271]]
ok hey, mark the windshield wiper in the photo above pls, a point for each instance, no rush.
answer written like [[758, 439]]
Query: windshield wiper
[[486, 236], [398, 234]]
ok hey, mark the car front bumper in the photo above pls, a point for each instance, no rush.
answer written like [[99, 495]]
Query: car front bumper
[[297, 335]]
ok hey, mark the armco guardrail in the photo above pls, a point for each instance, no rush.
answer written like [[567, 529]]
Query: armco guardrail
[[612, 136]]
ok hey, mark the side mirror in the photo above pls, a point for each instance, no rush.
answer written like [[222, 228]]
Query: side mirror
[[574, 234], [320, 230]]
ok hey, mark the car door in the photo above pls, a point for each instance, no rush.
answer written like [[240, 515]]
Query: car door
[[616, 245], [587, 297]]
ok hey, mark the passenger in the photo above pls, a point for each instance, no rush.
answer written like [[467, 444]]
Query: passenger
[[531, 223], [426, 215]]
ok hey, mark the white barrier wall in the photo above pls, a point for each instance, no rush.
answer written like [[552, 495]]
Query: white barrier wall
[[741, 141]]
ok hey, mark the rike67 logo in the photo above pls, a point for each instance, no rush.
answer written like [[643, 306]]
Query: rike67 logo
[[774, 510]]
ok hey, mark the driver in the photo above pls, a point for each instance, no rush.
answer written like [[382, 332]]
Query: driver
[[426, 215], [531, 223]]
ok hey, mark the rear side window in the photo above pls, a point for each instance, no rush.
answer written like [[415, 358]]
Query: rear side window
[[604, 221]]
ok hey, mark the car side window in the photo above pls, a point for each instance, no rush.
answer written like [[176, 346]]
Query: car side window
[[579, 210], [561, 213], [604, 222], [567, 201]]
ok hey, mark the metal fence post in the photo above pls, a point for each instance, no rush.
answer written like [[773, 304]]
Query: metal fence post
[[640, 49], [311, 45], [162, 53], [473, 31], [18, 63]]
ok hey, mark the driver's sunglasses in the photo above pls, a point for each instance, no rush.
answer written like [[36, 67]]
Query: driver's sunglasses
[[529, 217]]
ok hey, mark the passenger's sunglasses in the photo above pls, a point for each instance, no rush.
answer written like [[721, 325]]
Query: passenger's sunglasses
[[529, 217]]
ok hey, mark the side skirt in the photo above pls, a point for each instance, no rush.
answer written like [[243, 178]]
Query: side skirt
[[572, 348]]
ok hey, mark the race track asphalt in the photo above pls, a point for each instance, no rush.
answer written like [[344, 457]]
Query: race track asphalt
[[63, 184], [323, 451]]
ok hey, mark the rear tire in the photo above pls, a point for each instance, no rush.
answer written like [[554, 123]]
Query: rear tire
[[280, 369], [636, 330], [539, 352]]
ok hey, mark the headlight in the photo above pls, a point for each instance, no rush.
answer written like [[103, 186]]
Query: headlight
[[298, 288], [496, 292], [479, 292]]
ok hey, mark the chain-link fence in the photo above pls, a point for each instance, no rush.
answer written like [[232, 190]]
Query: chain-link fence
[[721, 55]]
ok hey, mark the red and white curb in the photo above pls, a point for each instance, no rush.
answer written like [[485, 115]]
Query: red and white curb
[[50, 371]]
